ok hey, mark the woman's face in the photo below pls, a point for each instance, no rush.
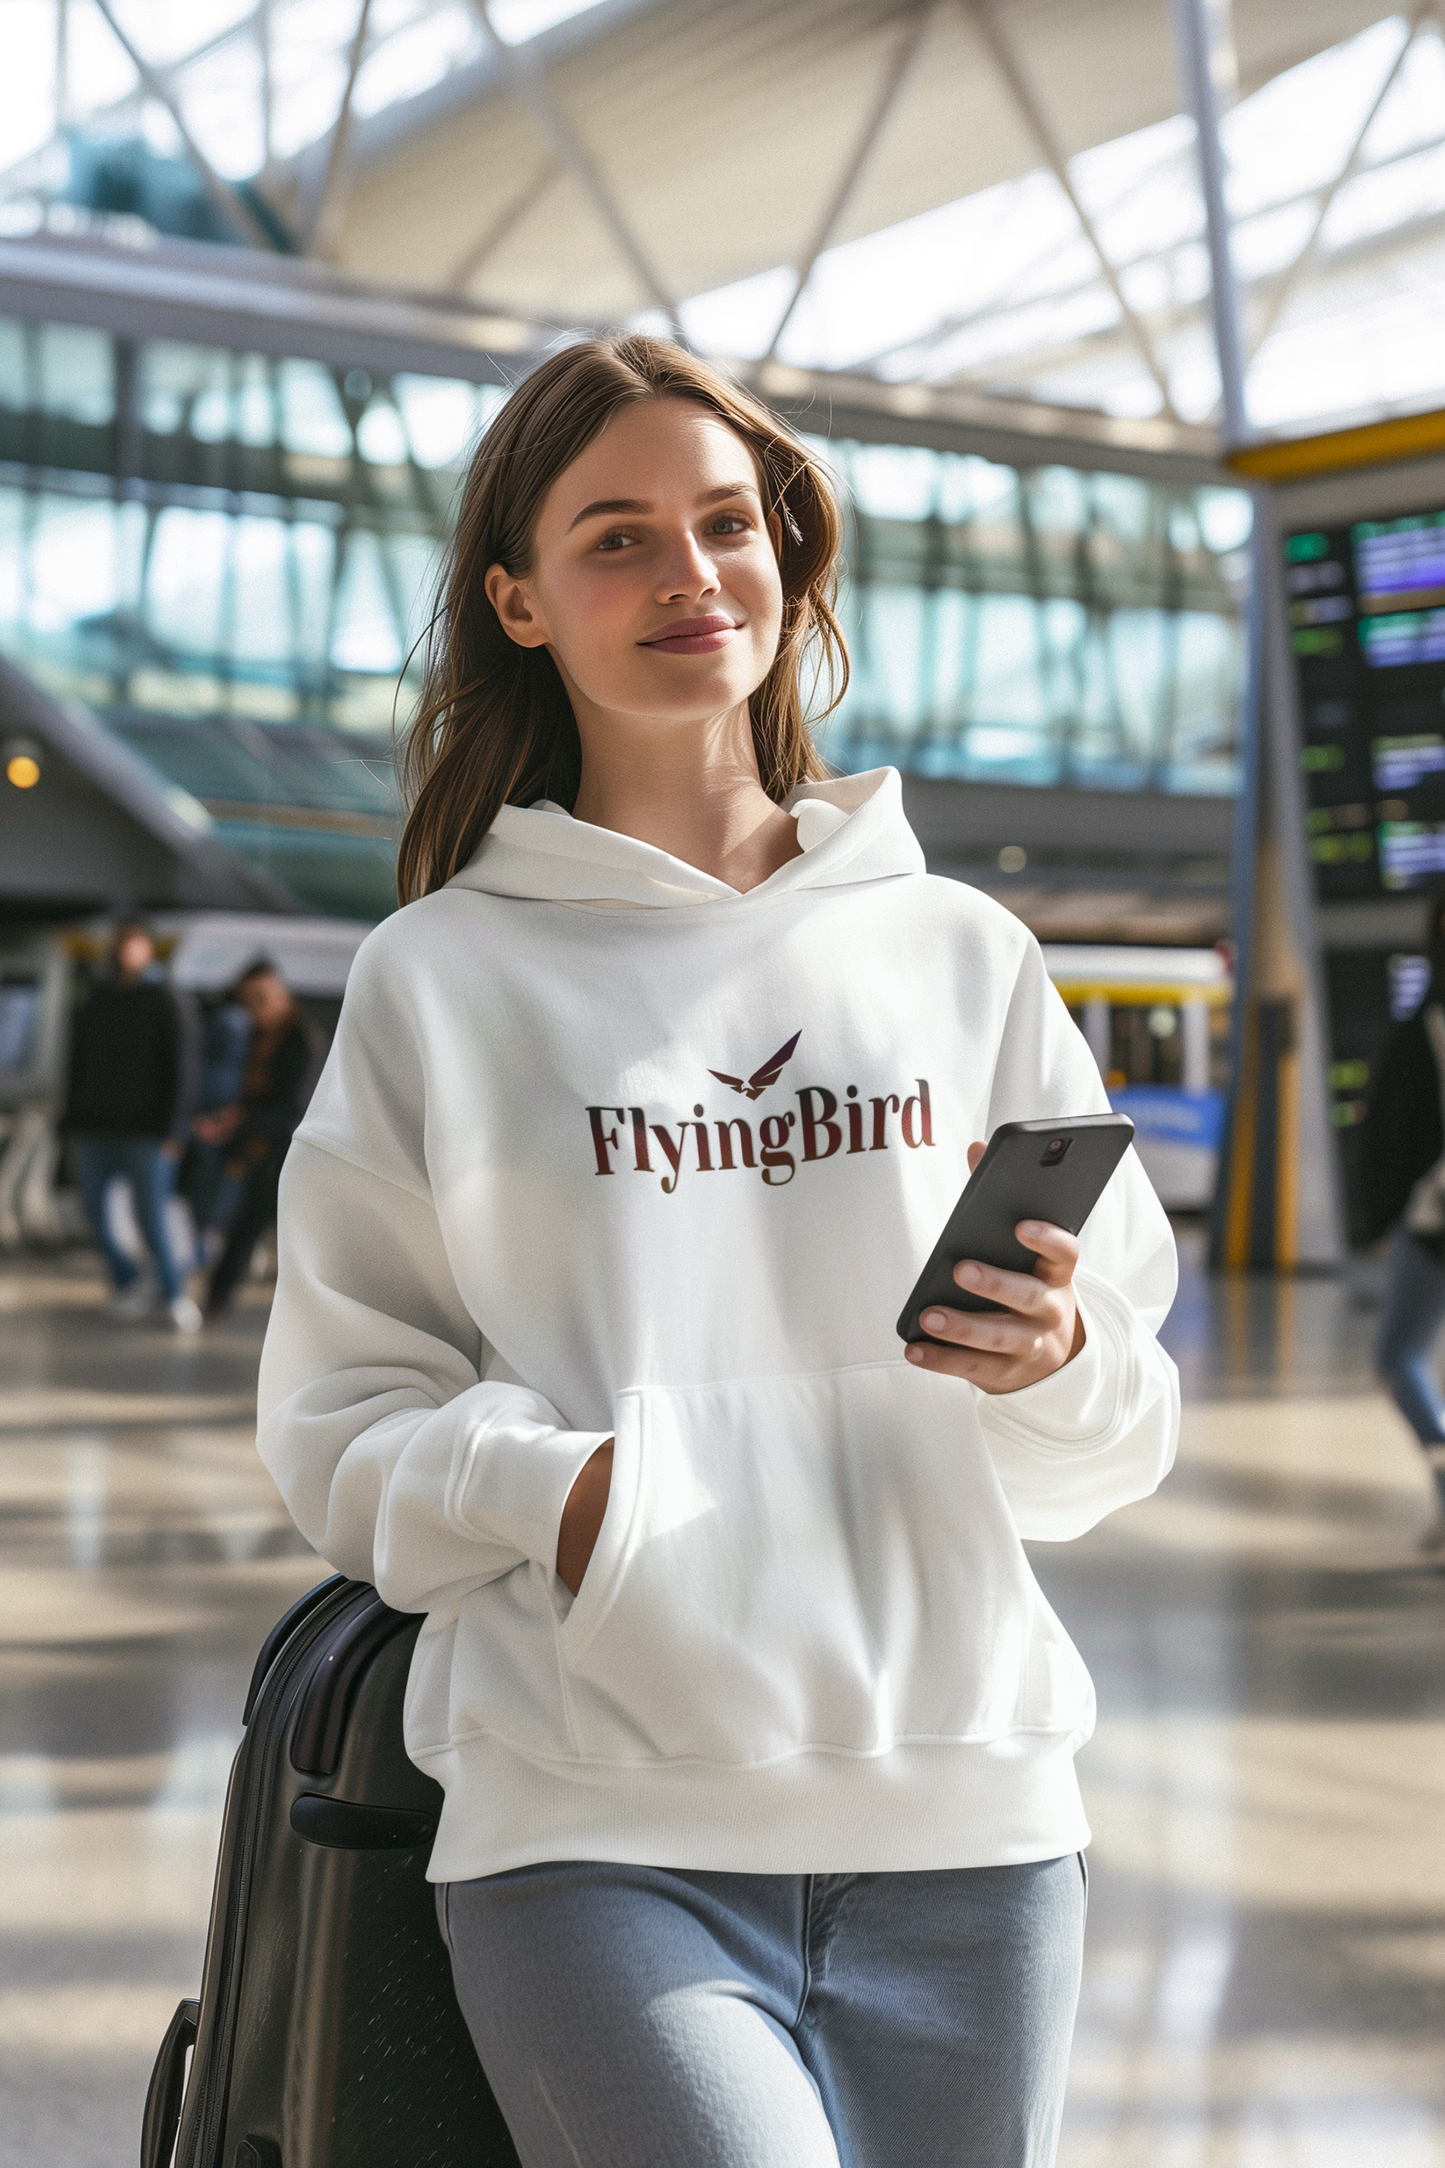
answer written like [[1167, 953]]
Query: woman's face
[[654, 578]]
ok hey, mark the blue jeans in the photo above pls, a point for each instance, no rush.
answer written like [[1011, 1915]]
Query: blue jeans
[[634, 2017], [1411, 1313], [140, 1162]]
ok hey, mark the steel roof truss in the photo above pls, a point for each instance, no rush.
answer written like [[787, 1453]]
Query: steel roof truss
[[1033, 116], [229, 201], [1286, 278], [528, 85], [320, 228], [495, 232], [891, 83]]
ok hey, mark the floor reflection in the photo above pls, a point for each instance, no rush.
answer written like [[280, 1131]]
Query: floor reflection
[[1266, 1971], [1265, 1984], [145, 1554]]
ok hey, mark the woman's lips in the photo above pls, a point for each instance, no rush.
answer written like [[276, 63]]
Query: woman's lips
[[693, 636]]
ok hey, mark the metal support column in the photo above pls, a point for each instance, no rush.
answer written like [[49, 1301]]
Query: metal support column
[[1277, 1204]]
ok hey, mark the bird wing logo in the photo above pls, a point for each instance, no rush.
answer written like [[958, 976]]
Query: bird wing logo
[[755, 1085]]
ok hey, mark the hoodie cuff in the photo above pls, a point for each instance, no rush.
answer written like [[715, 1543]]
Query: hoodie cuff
[[515, 1481], [1077, 1406]]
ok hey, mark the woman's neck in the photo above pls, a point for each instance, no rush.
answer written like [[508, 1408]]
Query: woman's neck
[[693, 792]]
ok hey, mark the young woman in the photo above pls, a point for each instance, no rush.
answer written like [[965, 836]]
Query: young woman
[[761, 1843]]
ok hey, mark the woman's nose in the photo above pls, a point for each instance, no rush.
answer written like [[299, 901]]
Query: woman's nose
[[689, 570]]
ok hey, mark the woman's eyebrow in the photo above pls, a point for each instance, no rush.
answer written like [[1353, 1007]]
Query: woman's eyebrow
[[608, 507]]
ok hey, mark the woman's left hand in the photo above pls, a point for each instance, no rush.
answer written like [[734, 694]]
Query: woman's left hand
[[1038, 1330]]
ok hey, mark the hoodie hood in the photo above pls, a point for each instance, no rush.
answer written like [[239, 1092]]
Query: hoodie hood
[[851, 830]]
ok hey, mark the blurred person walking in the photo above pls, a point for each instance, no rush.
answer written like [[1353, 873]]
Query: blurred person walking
[[282, 1060], [204, 1181], [124, 1110], [1402, 1164]]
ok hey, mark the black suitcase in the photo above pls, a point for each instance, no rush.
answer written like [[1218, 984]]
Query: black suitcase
[[327, 2034]]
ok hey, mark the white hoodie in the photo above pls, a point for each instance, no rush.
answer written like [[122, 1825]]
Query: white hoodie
[[605, 1148]]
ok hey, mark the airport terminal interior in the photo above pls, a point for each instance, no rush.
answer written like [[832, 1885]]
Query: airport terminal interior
[[1265, 1965], [1118, 323]]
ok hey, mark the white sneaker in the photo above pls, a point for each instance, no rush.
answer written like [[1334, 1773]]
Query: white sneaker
[[184, 1314], [134, 1300]]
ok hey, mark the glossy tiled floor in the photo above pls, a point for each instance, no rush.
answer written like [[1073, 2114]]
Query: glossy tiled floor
[[1266, 1973], [144, 1555], [1265, 1985]]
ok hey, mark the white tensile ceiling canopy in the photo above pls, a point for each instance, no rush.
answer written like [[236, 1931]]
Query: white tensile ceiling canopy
[[988, 195]]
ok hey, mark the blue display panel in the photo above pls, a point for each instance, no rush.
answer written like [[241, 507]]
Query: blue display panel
[[1367, 626]]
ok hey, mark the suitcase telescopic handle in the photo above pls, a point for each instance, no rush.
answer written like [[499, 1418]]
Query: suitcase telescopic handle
[[168, 2082]]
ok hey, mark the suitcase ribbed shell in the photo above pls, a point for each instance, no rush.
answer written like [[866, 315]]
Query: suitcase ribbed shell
[[328, 2033]]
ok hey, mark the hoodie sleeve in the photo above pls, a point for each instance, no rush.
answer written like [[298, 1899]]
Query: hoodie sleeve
[[1102, 1431], [398, 1457]]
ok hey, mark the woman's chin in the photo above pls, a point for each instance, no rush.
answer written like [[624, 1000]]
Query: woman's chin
[[693, 703]]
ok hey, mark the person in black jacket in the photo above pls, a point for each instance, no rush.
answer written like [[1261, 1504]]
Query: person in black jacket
[[1402, 1164], [281, 1068], [124, 1110]]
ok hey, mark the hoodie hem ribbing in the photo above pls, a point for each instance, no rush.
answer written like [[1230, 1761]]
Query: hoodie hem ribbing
[[915, 1808]]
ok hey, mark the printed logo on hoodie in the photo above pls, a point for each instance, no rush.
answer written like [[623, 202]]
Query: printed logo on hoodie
[[819, 1133], [761, 1078]]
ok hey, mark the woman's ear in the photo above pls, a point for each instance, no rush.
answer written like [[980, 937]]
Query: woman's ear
[[516, 613]]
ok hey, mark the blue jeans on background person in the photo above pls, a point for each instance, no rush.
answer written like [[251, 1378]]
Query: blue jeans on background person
[[1412, 1310], [208, 1186], [150, 1175], [639, 2017]]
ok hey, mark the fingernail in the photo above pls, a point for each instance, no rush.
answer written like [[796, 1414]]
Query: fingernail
[[935, 1320], [968, 1274], [914, 1352]]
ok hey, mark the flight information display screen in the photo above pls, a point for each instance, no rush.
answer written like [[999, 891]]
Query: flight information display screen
[[1367, 625]]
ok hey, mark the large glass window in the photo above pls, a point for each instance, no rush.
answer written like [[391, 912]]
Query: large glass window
[[229, 557], [1044, 626]]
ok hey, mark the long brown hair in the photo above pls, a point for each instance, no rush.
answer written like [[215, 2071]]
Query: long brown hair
[[495, 726]]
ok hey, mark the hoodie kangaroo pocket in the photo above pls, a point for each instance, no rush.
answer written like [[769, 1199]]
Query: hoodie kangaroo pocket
[[809, 1561]]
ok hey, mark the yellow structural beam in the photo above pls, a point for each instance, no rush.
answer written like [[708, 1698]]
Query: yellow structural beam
[[1372, 444], [1144, 993]]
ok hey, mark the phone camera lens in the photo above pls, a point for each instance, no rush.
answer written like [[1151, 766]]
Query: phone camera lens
[[1054, 1151]]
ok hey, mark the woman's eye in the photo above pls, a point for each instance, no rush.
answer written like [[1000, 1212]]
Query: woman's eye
[[624, 538]]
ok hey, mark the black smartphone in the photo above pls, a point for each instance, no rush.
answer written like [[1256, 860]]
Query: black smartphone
[[1054, 1171]]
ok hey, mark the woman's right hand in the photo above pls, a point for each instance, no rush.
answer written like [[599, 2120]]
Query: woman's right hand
[[582, 1518]]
